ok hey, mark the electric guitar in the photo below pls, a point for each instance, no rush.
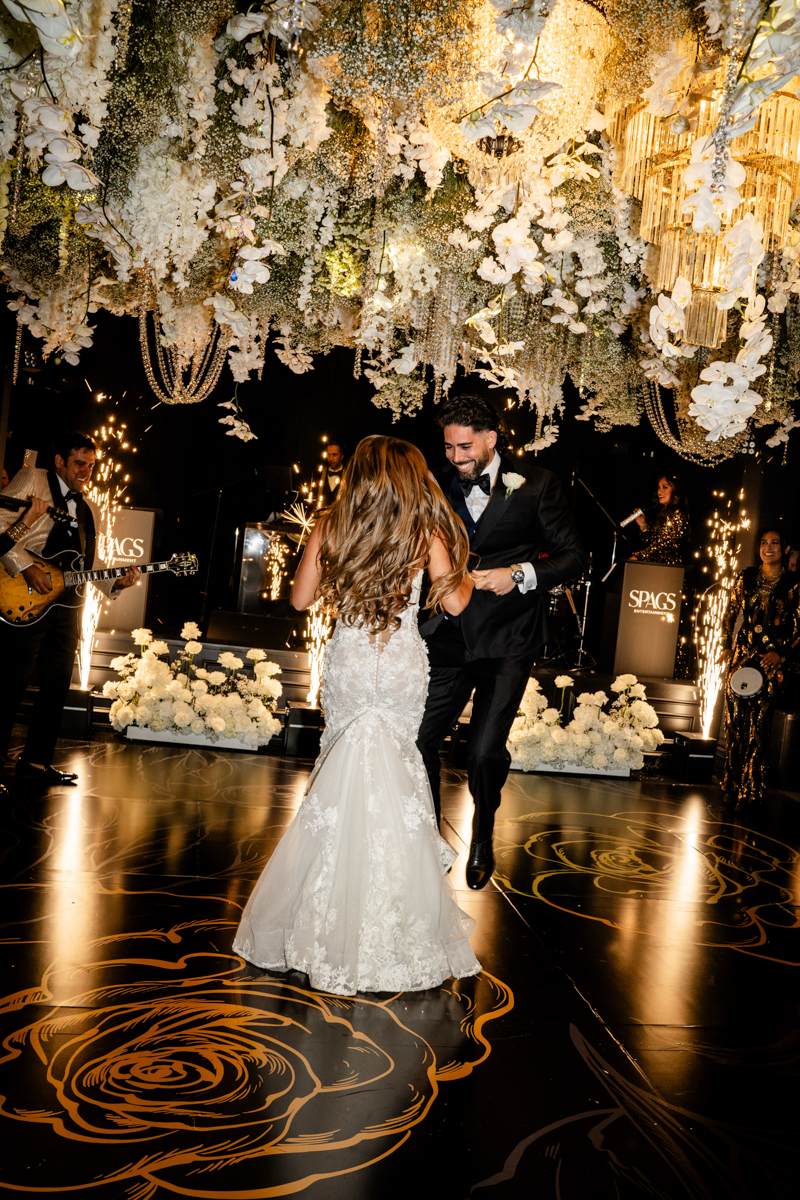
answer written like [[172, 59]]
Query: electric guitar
[[21, 605], [16, 504]]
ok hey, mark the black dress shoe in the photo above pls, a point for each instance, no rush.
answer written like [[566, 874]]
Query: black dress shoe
[[480, 864], [43, 776]]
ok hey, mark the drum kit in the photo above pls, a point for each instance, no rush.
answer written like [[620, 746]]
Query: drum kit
[[563, 606]]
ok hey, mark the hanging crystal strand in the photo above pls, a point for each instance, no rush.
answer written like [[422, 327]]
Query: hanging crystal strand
[[587, 349], [13, 215], [263, 333], [17, 349], [721, 135], [124, 12], [768, 391]]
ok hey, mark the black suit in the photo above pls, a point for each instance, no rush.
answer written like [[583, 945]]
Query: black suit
[[493, 645]]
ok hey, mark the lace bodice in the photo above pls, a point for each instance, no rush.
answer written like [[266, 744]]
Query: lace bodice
[[363, 674]]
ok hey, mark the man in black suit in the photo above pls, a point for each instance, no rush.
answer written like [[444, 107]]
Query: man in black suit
[[511, 521]]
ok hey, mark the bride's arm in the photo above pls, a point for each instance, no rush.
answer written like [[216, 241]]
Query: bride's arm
[[306, 581], [439, 564]]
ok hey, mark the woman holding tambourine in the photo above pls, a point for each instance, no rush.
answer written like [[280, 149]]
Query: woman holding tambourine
[[767, 598]]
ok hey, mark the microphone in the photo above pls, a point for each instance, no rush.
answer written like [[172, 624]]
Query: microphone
[[632, 517]]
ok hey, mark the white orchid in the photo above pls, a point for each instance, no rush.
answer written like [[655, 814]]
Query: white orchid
[[58, 34], [244, 25], [492, 272], [708, 206], [406, 361], [515, 117], [477, 125]]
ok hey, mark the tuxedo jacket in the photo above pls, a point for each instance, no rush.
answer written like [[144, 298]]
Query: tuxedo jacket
[[326, 491], [35, 481], [514, 528]]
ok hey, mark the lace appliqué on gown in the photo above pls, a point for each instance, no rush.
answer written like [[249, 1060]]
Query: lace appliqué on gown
[[356, 893]]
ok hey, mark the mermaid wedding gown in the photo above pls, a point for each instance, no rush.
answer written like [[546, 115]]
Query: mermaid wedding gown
[[356, 893]]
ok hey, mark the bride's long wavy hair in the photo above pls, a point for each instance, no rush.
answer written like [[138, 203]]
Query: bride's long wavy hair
[[379, 529]]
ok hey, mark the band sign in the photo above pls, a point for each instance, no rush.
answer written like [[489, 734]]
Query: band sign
[[653, 603], [126, 550]]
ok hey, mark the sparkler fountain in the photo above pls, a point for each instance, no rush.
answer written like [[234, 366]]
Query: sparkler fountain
[[722, 548], [107, 492]]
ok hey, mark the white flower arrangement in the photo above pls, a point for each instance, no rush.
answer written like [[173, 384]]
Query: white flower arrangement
[[180, 697], [596, 737]]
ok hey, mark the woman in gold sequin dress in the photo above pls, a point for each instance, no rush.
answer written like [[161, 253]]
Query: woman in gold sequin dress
[[768, 600], [666, 534]]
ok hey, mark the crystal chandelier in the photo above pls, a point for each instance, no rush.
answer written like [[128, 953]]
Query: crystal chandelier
[[653, 159], [571, 51], [690, 442], [188, 370]]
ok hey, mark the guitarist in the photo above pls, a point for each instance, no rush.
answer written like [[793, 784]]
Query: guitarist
[[50, 644]]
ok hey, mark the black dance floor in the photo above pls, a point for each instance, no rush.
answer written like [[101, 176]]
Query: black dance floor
[[634, 1033]]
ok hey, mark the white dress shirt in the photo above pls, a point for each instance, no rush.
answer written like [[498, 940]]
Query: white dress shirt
[[476, 503]]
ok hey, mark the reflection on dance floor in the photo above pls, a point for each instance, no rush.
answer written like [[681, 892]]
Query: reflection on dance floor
[[631, 1034]]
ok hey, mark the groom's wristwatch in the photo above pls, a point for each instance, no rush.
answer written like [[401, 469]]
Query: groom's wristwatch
[[517, 575]]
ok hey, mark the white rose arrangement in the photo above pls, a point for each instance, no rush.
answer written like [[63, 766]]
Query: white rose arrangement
[[597, 736], [180, 697]]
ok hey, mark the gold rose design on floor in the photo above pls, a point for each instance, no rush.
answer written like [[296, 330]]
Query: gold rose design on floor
[[191, 1067], [744, 884]]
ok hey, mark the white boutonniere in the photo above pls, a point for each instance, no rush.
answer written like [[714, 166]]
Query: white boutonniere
[[512, 481]]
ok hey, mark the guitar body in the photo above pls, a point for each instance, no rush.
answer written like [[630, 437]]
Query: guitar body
[[21, 605]]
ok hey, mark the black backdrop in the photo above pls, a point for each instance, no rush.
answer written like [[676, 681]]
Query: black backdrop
[[184, 456]]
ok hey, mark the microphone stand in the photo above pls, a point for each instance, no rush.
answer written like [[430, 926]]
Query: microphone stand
[[582, 653], [615, 526]]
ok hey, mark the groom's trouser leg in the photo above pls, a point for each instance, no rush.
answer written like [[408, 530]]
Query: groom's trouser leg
[[449, 690], [499, 687]]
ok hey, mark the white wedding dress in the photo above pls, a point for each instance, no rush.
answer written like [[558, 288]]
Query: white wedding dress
[[356, 893]]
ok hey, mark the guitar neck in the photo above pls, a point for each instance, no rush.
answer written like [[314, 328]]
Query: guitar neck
[[76, 578], [15, 504]]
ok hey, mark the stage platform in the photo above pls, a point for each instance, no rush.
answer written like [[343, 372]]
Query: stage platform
[[633, 1033]]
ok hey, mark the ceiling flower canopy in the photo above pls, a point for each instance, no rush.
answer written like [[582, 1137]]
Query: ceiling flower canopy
[[522, 189]]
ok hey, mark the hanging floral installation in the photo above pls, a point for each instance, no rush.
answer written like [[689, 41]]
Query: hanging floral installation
[[522, 189]]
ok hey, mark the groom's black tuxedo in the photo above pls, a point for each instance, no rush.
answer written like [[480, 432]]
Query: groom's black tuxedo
[[514, 528], [491, 648]]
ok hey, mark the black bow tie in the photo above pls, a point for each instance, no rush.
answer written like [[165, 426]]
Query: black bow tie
[[483, 482], [74, 496]]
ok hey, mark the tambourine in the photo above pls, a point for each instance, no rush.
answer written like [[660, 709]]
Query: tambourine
[[747, 681]]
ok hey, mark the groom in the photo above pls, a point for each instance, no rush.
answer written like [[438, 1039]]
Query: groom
[[511, 521]]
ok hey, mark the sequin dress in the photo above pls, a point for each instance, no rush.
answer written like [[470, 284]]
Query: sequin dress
[[664, 540], [356, 893], [770, 612]]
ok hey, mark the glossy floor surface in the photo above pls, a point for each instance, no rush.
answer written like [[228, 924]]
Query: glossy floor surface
[[634, 1033]]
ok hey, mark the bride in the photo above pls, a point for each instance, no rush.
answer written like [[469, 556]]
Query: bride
[[356, 893]]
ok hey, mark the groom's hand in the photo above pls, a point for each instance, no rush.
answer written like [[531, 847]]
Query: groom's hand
[[497, 580]]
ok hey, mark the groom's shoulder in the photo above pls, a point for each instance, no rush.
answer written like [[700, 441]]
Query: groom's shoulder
[[535, 478]]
